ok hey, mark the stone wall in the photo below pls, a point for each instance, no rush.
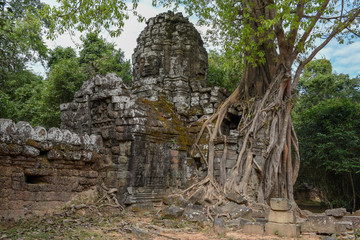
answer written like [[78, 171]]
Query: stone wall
[[40, 170]]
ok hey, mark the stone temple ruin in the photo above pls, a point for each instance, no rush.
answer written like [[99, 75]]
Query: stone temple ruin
[[134, 138]]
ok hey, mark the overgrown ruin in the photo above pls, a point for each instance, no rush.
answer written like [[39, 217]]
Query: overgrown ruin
[[138, 138], [144, 131]]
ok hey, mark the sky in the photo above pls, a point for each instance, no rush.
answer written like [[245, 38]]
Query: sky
[[344, 58]]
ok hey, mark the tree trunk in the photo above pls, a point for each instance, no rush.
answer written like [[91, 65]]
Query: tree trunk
[[265, 165]]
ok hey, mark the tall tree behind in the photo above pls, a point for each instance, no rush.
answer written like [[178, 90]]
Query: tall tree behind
[[101, 57], [20, 42], [327, 122]]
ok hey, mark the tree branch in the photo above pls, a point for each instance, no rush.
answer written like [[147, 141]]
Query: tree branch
[[295, 29], [334, 32], [307, 33]]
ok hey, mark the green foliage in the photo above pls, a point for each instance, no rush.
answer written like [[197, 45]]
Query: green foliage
[[90, 15], [327, 121], [224, 70], [20, 36], [65, 78], [251, 27], [101, 57], [60, 53], [20, 42]]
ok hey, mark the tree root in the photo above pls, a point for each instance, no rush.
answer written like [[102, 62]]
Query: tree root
[[279, 172]]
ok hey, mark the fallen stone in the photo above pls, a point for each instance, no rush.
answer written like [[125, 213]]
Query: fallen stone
[[219, 226], [195, 215], [336, 212], [282, 229], [237, 198], [173, 211], [175, 200], [197, 197], [234, 210], [280, 204]]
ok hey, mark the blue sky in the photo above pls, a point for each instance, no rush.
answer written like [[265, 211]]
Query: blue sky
[[344, 58]]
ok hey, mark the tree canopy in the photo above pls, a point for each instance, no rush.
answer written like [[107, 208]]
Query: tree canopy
[[327, 120]]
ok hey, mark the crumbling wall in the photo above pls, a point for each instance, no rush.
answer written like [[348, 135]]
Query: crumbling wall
[[40, 170]]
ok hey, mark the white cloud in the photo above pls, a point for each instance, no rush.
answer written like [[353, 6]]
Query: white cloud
[[344, 58]]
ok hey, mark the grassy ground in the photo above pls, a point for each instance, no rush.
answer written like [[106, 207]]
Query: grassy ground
[[121, 225]]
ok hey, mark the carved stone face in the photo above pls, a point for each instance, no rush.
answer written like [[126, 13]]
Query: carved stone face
[[149, 65]]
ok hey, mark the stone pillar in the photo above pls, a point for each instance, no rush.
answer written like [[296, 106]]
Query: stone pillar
[[282, 220]]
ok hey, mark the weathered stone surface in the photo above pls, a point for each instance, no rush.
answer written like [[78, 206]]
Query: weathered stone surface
[[173, 211], [24, 130], [30, 151], [336, 212], [7, 129], [282, 229], [195, 215], [198, 196], [319, 224], [343, 227], [219, 226], [39, 134], [175, 200], [55, 135], [38, 171], [237, 198], [282, 216], [280, 204], [254, 228], [234, 210]]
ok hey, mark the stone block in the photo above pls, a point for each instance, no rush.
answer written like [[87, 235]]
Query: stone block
[[24, 130], [282, 229], [195, 215], [235, 197], [254, 228], [55, 134], [282, 217], [39, 134], [7, 129], [343, 227], [319, 224], [280, 204], [173, 211], [336, 212], [30, 151]]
